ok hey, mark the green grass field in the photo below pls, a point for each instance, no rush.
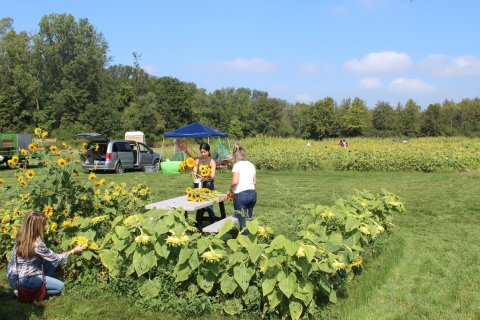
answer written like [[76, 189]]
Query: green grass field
[[426, 269]]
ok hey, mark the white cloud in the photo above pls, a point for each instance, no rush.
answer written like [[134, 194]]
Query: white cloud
[[239, 65], [305, 98], [379, 62], [402, 85], [308, 68], [445, 66], [370, 83]]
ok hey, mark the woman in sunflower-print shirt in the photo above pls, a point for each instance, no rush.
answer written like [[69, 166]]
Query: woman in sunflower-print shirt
[[206, 167]]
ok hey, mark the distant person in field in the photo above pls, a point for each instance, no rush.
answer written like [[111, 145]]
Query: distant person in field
[[343, 143], [206, 164], [242, 187]]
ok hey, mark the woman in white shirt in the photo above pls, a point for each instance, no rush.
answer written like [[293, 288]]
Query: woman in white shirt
[[243, 186]]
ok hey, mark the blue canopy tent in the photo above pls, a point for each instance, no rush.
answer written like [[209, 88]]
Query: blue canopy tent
[[198, 130]]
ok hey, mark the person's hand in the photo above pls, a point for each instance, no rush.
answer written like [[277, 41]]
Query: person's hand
[[78, 249]]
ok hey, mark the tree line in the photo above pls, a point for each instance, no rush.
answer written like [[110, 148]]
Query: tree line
[[60, 78]]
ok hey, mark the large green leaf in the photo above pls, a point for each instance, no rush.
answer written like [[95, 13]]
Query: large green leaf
[[268, 284], [162, 251], [228, 284], [288, 285], [244, 241], [143, 262], [184, 255], [109, 259], [254, 251], [351, 224], [227, 226], [202, 244], [296, 310], [206, 282], [232, 244], [183, 273], [252, 226], [274, 299], [277, 243], [243, 275], [290, 247], [304, 291], [194, 260], [87, 255], [117, 220], [150, 288], [237, 257], [233, 306], [122, 232]]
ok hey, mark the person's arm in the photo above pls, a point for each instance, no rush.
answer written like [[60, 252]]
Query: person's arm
[[255, 180], [195, 167], [213, 166], [234, 182], [47, 254]]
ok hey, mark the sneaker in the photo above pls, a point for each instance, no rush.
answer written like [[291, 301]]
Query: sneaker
[[15, 292]]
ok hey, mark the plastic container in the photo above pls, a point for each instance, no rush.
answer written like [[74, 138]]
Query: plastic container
[[197, 183], [170, 166], [150, 169]]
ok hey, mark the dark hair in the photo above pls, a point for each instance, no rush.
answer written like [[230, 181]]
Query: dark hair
[[205, 146]]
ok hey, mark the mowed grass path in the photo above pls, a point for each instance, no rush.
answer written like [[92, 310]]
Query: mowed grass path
[[427, 269]]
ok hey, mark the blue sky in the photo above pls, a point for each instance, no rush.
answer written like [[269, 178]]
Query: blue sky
[[304, 50]]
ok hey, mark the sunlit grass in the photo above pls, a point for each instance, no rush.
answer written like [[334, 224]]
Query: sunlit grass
[[427, 269]]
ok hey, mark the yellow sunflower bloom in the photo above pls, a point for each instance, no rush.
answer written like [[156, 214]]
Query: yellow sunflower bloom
[[67, 223], [44, 134], [176, 241], [92, 176], [23, 183], [23, 152], [53, 148], [97, 147], [32, 147], [64, 145], [93, 246], [82, 241], [37, 131], [1, 182], [16, 212], [30, 174], [6, 219], [48, 211], [190, 162], [11, 163], [142, 239], [212, 256], [15, 159], [53, 227]]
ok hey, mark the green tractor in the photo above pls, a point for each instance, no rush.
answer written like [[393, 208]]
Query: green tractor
[[10, 146]]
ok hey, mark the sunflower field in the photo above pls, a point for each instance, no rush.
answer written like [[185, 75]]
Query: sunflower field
[[261, 271], [365, 154]]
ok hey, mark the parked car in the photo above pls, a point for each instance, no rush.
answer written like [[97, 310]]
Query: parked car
[[117, 155]]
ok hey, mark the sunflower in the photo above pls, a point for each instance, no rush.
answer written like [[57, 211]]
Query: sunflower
[[142, 239], [23, 152], [182, 166], [93, 246], [33, 147], [1, 182], [190, 162], [97, 147], [53, 148], [38, 131], [61, 162], [67, 223], [64, 145], [53, 227], [44, 134], [84, 145], [92, 176], [48, 210], [176, 241], [23, 183], [30, 174], [15, 159], [82, 241]]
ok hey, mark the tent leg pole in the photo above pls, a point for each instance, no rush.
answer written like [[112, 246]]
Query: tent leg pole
[[161, 149]]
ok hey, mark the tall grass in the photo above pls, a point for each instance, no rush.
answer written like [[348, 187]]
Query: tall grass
[[426, 269]]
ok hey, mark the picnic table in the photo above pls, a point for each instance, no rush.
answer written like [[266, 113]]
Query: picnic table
[[190, 206]]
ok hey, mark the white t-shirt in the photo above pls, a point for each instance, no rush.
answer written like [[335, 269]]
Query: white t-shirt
[[247, 173]]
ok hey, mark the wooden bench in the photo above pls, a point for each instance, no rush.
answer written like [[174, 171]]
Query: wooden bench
[[190, 206], [215, 227]]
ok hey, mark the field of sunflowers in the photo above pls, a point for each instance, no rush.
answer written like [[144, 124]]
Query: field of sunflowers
[[441, 154]]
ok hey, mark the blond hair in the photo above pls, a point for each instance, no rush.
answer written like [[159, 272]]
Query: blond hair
[[239, 154], [31, 230]]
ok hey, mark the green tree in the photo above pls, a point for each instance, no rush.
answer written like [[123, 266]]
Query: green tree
[[408, 119], [383, 118], [431, 123], [70, 59], [355, 118]]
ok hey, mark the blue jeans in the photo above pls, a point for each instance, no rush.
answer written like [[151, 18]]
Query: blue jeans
[[53, 285], [243, 204]]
